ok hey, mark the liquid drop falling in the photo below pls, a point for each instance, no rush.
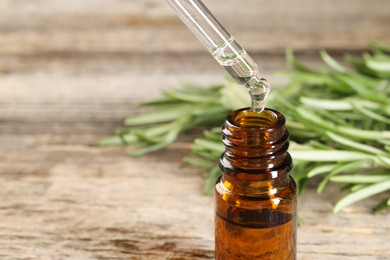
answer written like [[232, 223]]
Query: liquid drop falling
[[245, 71], [259, 93]]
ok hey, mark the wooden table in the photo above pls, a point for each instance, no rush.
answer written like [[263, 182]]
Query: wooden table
[[71, 71]]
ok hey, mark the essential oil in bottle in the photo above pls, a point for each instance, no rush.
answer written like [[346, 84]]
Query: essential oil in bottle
[[255, 198]]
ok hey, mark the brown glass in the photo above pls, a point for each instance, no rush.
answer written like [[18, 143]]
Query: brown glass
[[255, 198]]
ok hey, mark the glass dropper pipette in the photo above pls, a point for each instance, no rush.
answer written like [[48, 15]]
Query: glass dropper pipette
[[224, 48]]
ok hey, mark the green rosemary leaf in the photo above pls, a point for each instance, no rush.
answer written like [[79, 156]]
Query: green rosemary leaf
[[142, 136], [384, 160], [302, 184], [352, 144], [209, 111], [234, 96], [214, 134], [364, 134], [321, 169], [118, 140], [313, 121], [359, 186], [205, 120], [384, 141], [362, 194], [365, 111], [161, 102], [379, 49], [160, 129], [295, 63], [359, 65], [296, 125], [348, 167], [361, 90], [199, 162], [158, 116], [196, 89], [329, 156], [318, 145], [382, 66], [192, 98], [212, 176], [148, 149], [299, 172], [152, 146], [316, 79], [347, 186], [207, 144], [328, 104], [382, 205], [332, 117], [207, 154], [359, 178], [331, 62]]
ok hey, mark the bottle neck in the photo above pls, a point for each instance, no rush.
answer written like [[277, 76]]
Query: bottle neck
[[255, 158]]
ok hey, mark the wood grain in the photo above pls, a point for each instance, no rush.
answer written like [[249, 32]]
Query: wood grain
[[78, 202], [71, 71], [150, 26]]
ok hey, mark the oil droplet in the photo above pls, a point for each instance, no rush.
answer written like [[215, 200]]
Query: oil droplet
[[245, 71], [259, 93]]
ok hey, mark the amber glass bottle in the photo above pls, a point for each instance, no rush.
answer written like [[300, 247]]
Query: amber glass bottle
[[255, 198]]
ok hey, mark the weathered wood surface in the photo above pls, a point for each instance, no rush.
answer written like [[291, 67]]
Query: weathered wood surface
[[70, 71], [144, 26], [79, 202]]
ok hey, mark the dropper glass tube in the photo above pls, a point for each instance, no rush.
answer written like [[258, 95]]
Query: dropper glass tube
[[224, 48]]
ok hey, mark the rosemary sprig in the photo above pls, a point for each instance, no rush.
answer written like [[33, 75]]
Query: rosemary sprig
[[339, 123], [177, 111]]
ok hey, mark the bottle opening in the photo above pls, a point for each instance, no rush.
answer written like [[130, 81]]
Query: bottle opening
[[255, 142], [247, 118]]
